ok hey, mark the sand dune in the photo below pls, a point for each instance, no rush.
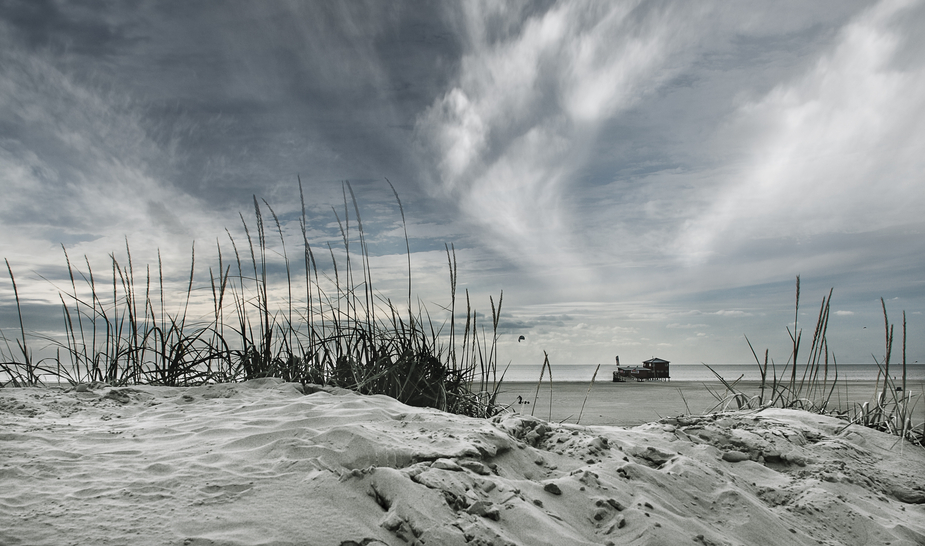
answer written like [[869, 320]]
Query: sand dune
[[259, 463]]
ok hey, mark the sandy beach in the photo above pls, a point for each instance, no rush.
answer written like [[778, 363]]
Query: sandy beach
[[261, 463]]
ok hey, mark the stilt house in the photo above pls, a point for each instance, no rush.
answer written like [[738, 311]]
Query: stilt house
[[654, 368]]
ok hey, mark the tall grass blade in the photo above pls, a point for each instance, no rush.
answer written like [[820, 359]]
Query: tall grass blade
[[585, 401]]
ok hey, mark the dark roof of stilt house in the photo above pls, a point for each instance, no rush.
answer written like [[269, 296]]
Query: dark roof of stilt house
[[655, 361]]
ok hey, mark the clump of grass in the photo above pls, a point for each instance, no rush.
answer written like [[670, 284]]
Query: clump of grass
[[892, 407], [810, 389], [25, 372], [340, 333]]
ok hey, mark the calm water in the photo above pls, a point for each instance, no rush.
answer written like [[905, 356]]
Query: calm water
[[699, 372]]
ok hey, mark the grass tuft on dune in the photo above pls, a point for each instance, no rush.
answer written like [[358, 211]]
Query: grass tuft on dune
[[893, 405], [341, 332]]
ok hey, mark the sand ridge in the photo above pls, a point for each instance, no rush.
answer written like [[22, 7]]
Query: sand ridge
[[262, 463]]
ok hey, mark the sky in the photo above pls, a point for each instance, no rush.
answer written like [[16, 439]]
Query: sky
[[637, 178]]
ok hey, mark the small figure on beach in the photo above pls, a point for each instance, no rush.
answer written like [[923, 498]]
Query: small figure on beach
[[521, 401], [521, 338]]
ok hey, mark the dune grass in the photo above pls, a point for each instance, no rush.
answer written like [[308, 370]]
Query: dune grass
[[333, 328], [814, 385], [892, 407], [539, 383], [338, 331], [587, 394]]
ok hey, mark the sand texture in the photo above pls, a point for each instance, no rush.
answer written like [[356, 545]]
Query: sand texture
[[259, 463]]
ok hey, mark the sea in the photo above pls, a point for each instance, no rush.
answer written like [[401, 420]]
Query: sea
[[700, 372]]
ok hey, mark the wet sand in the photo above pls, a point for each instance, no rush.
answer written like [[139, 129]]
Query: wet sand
[[635, 403]]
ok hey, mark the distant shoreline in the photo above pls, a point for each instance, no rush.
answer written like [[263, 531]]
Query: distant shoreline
[[687, 382], [635, 403], [699, 372]]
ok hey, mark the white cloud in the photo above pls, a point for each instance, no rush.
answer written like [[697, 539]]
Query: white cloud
[[732, 313], [511, 134], [836, 149], [675, 325], [843, 313]]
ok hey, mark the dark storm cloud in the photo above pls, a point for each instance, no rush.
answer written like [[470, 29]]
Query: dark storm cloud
[[327, 89]]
